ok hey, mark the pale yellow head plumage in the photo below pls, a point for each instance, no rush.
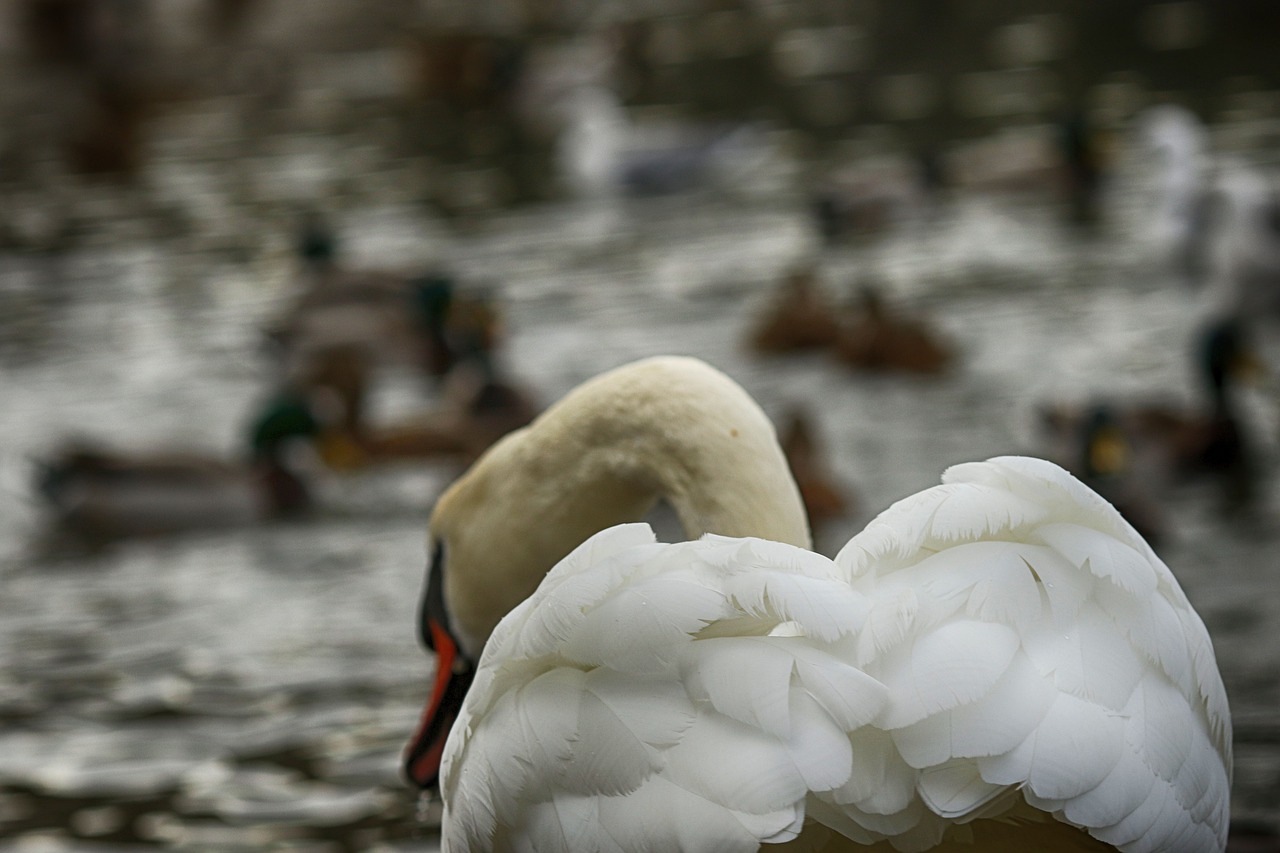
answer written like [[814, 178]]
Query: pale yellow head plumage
[[663, 428]]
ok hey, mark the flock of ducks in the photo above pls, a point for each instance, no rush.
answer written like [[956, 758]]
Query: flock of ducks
[[1212, 223], [344, 326], [1131, 450], [868, 336]]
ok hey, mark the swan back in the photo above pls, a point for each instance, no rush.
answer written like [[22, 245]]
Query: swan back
[[999, 662]]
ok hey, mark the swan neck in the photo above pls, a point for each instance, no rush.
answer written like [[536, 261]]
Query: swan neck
[[663, 429]]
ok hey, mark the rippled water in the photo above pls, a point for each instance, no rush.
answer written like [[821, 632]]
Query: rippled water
[[251, 690]]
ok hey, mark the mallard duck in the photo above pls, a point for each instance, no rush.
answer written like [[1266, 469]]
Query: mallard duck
[[798, 317], [478, 407], [1097, 448], [421, 319], [996, 663], [874, 339], [397, 319], [1162, 443], [99, 495]]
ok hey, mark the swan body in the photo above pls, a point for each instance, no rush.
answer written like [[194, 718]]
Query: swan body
[[997, 663]]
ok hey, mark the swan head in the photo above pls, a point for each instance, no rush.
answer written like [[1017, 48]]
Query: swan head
[[667, 428]]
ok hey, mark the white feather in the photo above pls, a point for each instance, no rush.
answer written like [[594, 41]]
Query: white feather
[[956, 789], [953, 665], [889, 623], [827, 608], [747, 679], [1103, 555], [736, 766], [1124, 789], [657, 711], [1070, 752], [993, 725], [881, 782], [641, 628], [851, 697], [993, 580], [662, 817], [818, 746]]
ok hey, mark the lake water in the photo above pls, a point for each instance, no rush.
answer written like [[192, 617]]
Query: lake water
[[252, 689]]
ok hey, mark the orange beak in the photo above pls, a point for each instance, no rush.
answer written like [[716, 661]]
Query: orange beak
[[454, 674]]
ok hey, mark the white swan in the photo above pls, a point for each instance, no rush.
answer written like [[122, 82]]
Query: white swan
[[997, 663]]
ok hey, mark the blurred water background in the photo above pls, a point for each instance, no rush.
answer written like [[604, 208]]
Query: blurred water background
[[250, 687]]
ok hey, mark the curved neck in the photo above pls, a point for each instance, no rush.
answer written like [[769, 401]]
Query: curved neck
[[666, 428]]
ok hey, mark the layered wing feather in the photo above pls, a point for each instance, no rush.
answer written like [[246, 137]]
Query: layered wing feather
[[1045, 649], [615, 709]]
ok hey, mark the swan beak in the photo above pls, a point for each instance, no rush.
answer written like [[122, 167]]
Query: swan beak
[[454, 674]]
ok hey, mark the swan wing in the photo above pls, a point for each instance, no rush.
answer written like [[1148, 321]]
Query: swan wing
[[1031, 641], [660, 697]]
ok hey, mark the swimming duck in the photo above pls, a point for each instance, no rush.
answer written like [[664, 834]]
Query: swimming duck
[[1097, 448], [479, 407], [422, 319], [823, 499], [996, 663], [100, 495], [798, 317], [1165, 442], [874, 339], [875, 194]]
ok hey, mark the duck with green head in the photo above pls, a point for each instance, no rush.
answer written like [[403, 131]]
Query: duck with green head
[[99, 495]]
